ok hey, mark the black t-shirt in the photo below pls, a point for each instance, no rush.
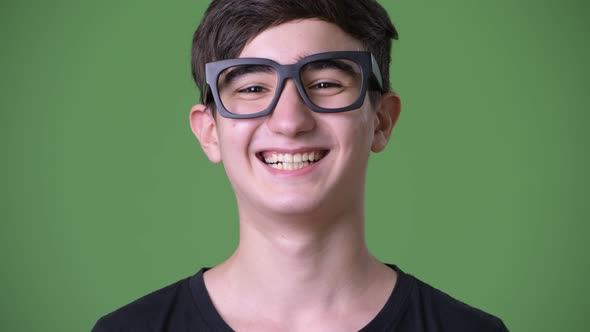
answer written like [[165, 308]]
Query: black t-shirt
[[413, 306]]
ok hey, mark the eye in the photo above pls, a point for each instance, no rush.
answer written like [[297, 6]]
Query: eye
[[252, 89], [325, 85]]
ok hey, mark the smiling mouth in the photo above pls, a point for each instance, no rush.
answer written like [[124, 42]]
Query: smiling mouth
[[291, 161]]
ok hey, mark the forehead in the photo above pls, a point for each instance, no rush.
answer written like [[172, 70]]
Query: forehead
[[288, 42]]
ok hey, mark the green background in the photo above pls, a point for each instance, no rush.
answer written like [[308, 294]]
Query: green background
[[106, 195]]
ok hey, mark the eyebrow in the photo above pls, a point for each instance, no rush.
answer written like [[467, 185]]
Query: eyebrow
[[244, 70], [330, 64]]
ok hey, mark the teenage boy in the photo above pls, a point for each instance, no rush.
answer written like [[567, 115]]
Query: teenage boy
[[296, 95]]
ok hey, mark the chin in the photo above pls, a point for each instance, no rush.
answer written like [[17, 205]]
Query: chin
[[295, 207], [306, 207]]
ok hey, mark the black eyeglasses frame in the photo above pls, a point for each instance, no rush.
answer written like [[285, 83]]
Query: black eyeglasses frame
[[365, 60]]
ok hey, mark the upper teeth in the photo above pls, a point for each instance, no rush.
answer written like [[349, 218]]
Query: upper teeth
[[273, 157]]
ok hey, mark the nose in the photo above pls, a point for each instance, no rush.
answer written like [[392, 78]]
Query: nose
[[291, 116]]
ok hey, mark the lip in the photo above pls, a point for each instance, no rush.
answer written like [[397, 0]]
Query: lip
[[293, 151], [296, 172]]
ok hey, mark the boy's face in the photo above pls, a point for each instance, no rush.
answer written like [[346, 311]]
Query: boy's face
[[338, 144]]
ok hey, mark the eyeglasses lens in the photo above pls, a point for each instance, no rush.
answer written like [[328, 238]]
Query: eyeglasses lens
[[328, 84]]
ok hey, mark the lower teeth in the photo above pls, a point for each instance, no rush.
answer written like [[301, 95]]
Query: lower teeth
[[290, 166]]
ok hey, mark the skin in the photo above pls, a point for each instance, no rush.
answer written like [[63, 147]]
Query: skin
[[302, 260]]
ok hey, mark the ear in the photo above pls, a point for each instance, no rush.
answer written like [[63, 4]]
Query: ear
[[204, 127], [387, 113]]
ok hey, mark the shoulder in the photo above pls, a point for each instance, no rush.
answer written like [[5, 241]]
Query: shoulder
[[455, 313], [148, 312], [436, 310]]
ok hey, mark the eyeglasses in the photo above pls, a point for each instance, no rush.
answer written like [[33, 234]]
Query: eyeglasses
[[330, 82]]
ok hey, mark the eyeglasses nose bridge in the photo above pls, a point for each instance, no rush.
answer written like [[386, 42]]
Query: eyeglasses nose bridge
[[286, 72]]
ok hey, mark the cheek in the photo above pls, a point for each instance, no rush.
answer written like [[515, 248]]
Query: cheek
[[361, 128], [235, 137], [369, 118]]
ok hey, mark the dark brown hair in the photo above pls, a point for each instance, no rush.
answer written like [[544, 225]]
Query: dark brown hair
[[228, 25]]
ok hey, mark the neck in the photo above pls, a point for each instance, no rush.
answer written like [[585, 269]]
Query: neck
[[302, 255], [313, 263]]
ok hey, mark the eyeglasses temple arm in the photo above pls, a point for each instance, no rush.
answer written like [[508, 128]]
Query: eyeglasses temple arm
[[376, 71]]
